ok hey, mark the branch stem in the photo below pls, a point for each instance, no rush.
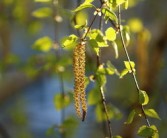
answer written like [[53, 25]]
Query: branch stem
[[128, 58]]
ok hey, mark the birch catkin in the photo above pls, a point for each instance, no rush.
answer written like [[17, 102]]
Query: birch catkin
[[79, 80]]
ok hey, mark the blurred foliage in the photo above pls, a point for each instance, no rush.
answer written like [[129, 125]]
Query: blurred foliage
[[49, 58]]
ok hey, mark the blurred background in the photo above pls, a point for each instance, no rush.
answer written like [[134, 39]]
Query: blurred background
[[35, 71]]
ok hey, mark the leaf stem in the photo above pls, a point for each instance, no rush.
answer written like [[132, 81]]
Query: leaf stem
[[128, 58]]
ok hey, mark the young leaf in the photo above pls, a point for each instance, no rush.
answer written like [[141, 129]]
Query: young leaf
[[86, 4], [151, 113], [43, 1], [130, 117], [146, 131], [115, 46], [126, 4], [129, 65], [42, 12], [69, 41], [108, 14], [43, 44], [110, 34], [123, 73], [143, 97]]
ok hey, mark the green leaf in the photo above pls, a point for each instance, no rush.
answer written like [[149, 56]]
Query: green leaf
[[43, 1], [130, 117], [146, 131], [151, 113], [43, 44], [117, 136], [126, 35], [117, 2], [115, 46], [42, 12], [61, 101], [86, 4], [97, 36], [123, 73], [129, 65], [93, 97], [111, 68], [110, 34], [126, 4], [69, 42], [143, 97], [108, 14]]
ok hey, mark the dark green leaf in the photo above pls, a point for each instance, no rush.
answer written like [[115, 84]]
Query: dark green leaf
[[143, 97], [151, 113], [146, 131], [131, 117]]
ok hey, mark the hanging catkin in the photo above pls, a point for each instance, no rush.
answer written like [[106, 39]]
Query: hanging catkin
[[79, 80]]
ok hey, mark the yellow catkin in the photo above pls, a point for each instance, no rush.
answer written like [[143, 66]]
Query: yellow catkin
[[79, 80]]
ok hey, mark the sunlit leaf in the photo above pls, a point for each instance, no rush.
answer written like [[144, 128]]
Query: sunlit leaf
[[80, 19], [86, 4], [110, 34], [61, 101], [42, 1], [42, 12], [43, 44], [123, 73], [115, 46], [126, 35], [151, 113], [69, 42], [131, 117], [111, 68], [117, 2], [143, 97], [146, 131], [126, 4], [129, 65], [108, 14]]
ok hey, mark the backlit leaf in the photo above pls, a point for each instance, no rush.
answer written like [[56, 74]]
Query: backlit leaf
[[151, 113], [108, 14], [42, 1], [43, 44], [42, 12], [69, 42], [143, 97], [123, 73], [129, 65], [110, 34], [130, 117]]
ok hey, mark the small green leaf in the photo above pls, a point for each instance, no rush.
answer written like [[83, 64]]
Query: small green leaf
[[126, 4], [61, 101], [130, 117], [115, 46], [110, 34], [146, 131], [42, 12], [43, 1], [43, 44], [143, 97], [108, 14], [86, 4], [69, 42], [123, 73], [129, 65], [151, 113], [117, 136]]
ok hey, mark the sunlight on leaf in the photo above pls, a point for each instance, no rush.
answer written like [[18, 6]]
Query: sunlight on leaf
[[42, 12], [43, 44], [110, 34], [143, 97], [108, 14], [135, 25], [146, 131], [42, 1], [151, 113], [130, 117]]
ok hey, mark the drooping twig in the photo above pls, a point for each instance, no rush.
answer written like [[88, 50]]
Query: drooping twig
[[128, 58]]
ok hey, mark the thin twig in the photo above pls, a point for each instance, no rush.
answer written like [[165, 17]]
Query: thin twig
[[101, 88], [128, 58]]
